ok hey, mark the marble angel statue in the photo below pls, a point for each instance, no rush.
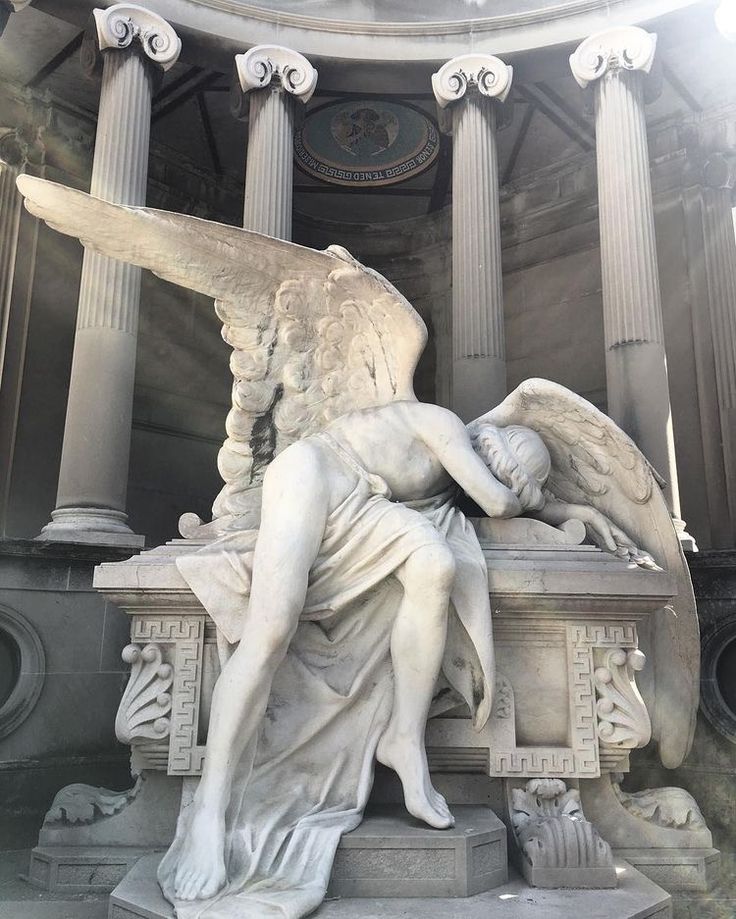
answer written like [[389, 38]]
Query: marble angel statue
[[349, 591]]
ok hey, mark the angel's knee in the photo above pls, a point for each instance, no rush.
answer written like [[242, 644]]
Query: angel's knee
[[429, 570]]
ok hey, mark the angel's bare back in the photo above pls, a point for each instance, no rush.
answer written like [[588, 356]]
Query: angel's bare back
[[419, 449]]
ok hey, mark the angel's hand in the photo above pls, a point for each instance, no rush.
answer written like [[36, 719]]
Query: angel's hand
[[605, 534]]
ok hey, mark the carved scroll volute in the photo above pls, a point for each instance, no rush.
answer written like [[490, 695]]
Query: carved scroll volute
[[124, 25], [145, 708], [264, 64], [486, 73], [623, 720], [628, 48]]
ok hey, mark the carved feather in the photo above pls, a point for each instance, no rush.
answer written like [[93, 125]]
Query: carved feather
[[314, 334]]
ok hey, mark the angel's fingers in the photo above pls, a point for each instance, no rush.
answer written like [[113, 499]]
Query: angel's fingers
[[623, 540], [602, 535]]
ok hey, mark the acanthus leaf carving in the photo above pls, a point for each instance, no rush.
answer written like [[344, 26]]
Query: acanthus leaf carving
[[85, 804], [552, 836], [673, 808], [623, 720], [145, 708]]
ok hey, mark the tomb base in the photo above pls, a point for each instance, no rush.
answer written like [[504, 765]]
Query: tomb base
[[139, 897]]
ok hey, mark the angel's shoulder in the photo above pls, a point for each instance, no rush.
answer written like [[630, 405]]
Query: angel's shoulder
[[433, 419]]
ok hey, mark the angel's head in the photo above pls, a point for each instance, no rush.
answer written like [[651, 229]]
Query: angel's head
[[518, 457]]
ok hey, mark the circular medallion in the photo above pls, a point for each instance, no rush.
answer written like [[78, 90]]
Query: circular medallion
[[366, 142]]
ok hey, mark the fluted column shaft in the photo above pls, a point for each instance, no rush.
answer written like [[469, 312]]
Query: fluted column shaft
[[269, 172], [472, 85], [274, 79], [719, 248], [478, 344], [93, 477], [636, 365], [10, 208]]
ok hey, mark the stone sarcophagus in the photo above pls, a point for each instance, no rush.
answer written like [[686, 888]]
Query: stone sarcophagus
[[566, 624]]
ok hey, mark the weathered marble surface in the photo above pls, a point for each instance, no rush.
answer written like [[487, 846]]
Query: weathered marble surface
[[324, 432]]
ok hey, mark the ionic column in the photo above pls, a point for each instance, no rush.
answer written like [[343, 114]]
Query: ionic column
[[135, 45], [472, 86], [617, 61], [719, 250], [11, 165], [10, 6], [274, 78]]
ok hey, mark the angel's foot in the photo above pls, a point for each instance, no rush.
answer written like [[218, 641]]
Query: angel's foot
[[409, 760], [201, 869]]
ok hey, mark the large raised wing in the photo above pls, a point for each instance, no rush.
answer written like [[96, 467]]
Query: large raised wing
[[595, 463], [314, 334]]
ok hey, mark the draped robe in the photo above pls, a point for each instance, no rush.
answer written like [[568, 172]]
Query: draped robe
[[306, 775]]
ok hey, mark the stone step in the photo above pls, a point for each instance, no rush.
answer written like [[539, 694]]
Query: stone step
[[138, 897], [393, 855]]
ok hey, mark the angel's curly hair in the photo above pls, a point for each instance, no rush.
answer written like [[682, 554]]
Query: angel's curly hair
[[517, 457]]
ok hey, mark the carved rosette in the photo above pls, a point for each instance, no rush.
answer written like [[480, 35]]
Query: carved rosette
[[265, 64], [628, 48], [726, 19], [623, 721], [553, 836], [483, 72], [124, 24], [144, 712]]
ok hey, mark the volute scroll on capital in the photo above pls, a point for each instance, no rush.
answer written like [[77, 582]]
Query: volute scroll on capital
[[263, 64], [486, 73], [119, 26], [626, 48]]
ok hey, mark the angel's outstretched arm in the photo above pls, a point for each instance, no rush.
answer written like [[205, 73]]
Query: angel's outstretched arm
[[600, 529], [447, 437]]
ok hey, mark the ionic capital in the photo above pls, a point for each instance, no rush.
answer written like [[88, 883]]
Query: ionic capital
[[488, 74], [726, 19], [627, 48], [20, 146], [263, 64], [121, 25]]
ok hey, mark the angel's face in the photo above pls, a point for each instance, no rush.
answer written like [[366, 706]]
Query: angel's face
[[518, 458], [530, 450]]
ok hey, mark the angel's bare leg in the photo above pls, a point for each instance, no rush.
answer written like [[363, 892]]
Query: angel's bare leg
[[294, 512], [417, 645]]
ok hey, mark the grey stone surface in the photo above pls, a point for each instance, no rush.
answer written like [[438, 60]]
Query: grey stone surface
[[81, 869], [390, 855], [139, 897], [676, 869], [93, 476]]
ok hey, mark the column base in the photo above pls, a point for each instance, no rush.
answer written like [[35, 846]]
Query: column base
[[686, 540], [91, 525]]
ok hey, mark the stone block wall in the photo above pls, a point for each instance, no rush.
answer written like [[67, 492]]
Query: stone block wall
[[47, 600]]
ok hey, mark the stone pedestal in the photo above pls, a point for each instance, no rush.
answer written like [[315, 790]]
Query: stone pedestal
[[471, 86], [275, 79], [139, 897], [616, 62], [392, 855], [93, 479]]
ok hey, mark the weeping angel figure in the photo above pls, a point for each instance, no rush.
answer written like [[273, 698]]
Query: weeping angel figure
[[349, 591]]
